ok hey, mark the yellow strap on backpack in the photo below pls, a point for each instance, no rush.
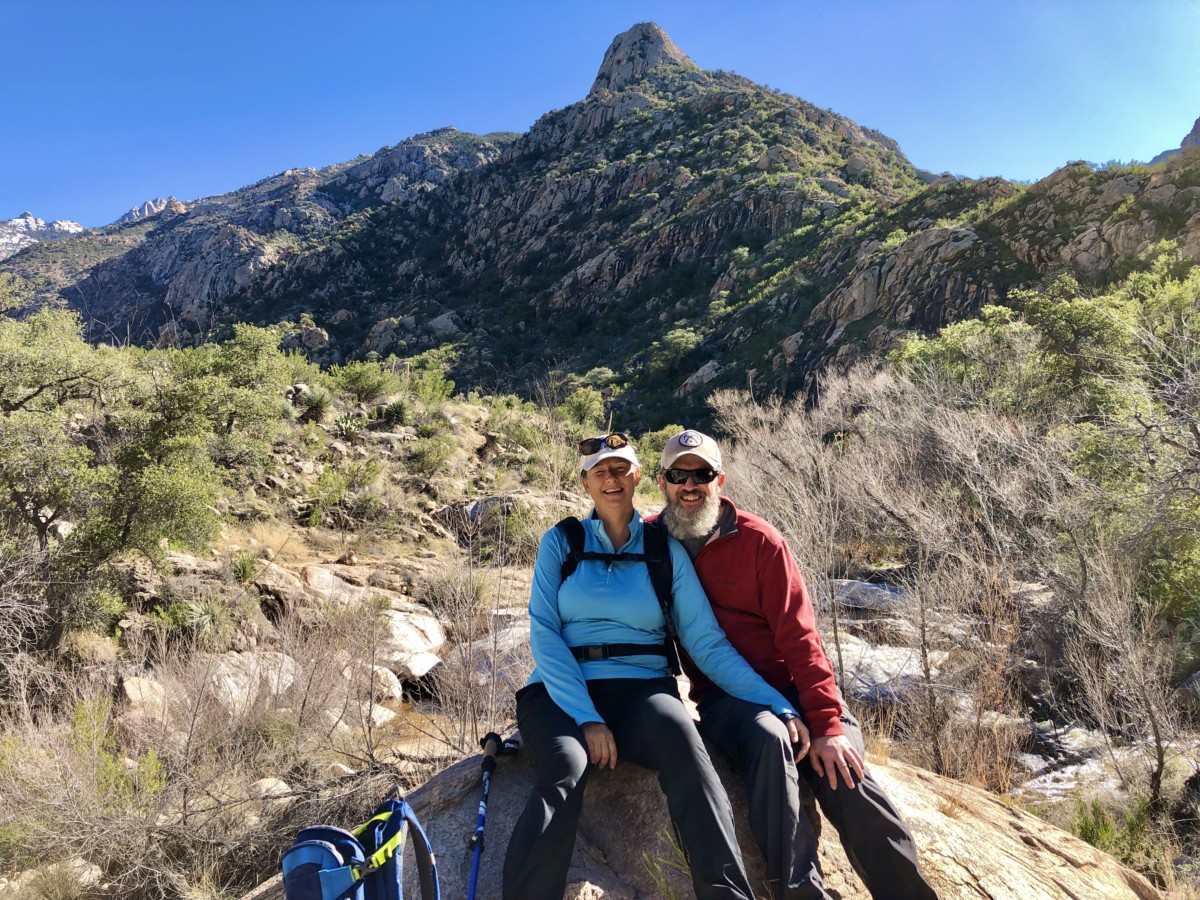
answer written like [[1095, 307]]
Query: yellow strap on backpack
[[384, 853]]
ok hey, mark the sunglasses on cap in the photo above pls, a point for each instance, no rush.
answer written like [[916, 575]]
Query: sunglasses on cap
[[681, 476], [614, 441]]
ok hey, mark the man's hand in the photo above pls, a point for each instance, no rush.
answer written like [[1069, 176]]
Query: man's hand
[[833, 754], [602, 748], [798, 734]]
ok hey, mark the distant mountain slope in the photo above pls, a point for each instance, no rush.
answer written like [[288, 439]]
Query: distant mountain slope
[[169, 260], [676, 229]]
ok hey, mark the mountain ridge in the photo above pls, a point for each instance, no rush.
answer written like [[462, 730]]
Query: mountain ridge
[[734, 233], [27, 229]]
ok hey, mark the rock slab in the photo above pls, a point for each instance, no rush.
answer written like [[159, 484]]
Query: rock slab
[[971, 843]]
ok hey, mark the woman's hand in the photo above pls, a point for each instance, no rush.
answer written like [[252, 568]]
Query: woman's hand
[[798, 734], [602, 748]]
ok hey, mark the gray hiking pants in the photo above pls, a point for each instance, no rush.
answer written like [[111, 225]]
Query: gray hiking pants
[[875, 838], [652, 729]]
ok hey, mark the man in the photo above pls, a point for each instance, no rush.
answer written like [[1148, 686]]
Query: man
[[759, 598]]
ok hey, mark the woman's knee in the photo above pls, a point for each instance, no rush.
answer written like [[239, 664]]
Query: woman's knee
[[767, 737], [677, 734], [564, 769]]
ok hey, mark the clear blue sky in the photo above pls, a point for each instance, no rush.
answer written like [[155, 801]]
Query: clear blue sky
[[109, 104]]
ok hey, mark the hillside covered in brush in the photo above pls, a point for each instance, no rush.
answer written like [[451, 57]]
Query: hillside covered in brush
[[675, 231]]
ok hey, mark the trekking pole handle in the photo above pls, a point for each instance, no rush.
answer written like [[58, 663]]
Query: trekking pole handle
[[494, 745], [491, 748]]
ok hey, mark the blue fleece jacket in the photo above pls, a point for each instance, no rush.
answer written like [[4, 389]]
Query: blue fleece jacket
[[615, 603]]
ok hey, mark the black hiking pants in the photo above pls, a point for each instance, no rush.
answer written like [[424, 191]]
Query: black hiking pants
[[652, 729], [875, 838]]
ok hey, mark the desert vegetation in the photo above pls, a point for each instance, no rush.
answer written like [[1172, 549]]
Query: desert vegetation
[[240, 593], [1028, 481]]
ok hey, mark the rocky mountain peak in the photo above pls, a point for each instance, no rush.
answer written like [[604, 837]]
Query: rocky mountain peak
[[1193, 138], [148, 209], [27, 229], [635, 52]]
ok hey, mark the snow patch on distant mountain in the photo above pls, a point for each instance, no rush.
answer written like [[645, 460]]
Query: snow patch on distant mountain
[[26, 229]]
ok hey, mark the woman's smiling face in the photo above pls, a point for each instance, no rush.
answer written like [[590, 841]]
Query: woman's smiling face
[[611, 483]]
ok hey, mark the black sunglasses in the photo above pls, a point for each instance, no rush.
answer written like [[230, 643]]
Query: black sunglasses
[[614, 441], [681, 476]]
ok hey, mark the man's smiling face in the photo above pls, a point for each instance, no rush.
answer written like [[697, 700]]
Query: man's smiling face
[[692, 507]]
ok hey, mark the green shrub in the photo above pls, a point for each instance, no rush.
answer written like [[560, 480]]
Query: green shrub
[[675, 345], [248, 458], [429, 455], [456, 595], [399, 412], [328, 491], [1128, 835], [650, 446], [431, 387], [585, 407], [245, 566], [207, 623], [894, 240], [94, 742], [95, 609], [431, 427], [523, 530], [364, 380], [315, 404], [361, 474]]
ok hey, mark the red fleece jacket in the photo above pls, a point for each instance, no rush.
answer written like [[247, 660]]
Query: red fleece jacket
[[759, 598]]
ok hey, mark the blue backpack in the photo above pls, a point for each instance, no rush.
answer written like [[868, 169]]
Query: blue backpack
[[328, 863]]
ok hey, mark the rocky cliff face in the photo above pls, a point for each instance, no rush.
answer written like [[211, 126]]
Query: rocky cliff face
[[148, 209], [27, 229], [1193, 137], [633, 54], [1085, 221], [634, 203], [687, 224], [1191, 140], [166, 271]]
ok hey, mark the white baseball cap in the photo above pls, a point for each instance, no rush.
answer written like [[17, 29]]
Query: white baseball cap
[[693, 443], [623, 450]]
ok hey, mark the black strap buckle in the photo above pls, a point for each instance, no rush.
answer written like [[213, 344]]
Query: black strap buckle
[[594, 652]]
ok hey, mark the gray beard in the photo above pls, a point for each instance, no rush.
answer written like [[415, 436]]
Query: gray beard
[[684, 525]]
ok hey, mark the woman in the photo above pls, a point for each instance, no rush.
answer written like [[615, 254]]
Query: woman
[[574, 712]]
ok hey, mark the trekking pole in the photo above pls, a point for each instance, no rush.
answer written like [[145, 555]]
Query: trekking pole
[[493, 746]]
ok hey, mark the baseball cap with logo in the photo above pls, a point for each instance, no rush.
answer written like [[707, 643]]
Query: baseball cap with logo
[[696, 444]]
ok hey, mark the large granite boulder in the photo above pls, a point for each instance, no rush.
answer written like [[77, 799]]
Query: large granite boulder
[[971, 843]]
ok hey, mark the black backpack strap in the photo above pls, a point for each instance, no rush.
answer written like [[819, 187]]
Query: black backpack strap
[[427, 874], [657, 557], [662, 576], [572, 529]]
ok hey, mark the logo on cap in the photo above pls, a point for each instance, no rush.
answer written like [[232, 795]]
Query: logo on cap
[[691, 439]]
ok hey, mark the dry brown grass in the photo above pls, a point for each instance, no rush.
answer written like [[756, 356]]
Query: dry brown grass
[[289, 545]]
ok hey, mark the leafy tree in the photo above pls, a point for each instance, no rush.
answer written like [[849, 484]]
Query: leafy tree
[[585, 407], [650, 446], [364, 380], [46, 362], [676, 344], [46, 477]]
